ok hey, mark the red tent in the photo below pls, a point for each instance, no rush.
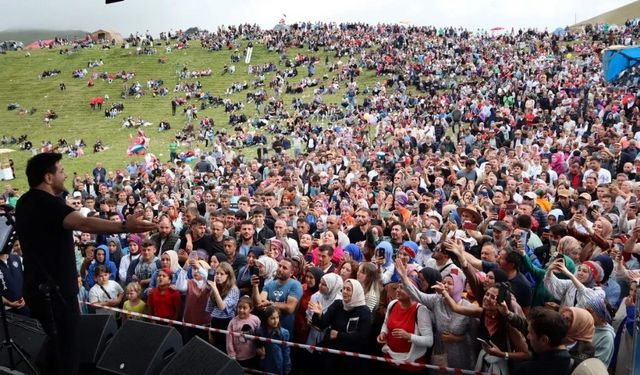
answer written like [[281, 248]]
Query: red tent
[[41, 44]]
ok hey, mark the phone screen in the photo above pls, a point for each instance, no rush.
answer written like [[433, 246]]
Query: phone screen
[[523, 239], [469, 225]]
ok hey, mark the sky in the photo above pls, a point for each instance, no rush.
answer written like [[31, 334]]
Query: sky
[[130, 16]]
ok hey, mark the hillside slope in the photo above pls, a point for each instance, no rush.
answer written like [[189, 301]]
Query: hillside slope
[[616, 16]]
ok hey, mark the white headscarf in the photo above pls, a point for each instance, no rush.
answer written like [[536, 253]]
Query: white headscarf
[[174, 265], [270, 266], [357, 297], [334, 284]]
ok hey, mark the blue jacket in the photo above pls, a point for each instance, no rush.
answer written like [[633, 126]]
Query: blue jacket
[[278, 357], [89, 281]]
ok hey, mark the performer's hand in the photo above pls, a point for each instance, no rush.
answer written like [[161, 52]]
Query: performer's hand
[[135, 224]]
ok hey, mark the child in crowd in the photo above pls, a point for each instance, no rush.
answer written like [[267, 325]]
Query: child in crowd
[[240, 348], [163, 301], [101, 258], [105, 292], [276, 358], [134, 303], [196, 301]]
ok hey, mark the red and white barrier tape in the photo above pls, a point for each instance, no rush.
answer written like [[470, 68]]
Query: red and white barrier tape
[[293, 344]]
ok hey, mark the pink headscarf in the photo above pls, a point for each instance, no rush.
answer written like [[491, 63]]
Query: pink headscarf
[[558, 162], [458, 286]]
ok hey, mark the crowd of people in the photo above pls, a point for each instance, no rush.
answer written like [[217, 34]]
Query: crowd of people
[[476, 210]]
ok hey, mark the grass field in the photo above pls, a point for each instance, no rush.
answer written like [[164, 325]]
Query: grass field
[[19, 82]]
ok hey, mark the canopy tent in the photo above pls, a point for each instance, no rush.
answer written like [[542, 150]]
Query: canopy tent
[[618, 62], [106, 35]]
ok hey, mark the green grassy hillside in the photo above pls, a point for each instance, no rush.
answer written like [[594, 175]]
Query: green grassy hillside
[[19, 82], [616, 16]]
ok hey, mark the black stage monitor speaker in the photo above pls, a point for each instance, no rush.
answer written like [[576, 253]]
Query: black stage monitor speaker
[[94, 333], [28, 335], [140, 348], [200, 357]]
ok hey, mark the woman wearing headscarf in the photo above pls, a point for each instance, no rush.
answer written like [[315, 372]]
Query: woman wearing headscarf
[[624, 322], [349, 323], [354, 252], [267, 268], [196, 300], [169, 259], [604, 336], [115, 249], [570, 247], [406, 333], [501, 341], [452, 347], [329, 290], [580, 287], [427, 278], [275, 250], [243, 278], [478, 286], [595, 240], [135, 245], [310, 286], [610, 285], [384, 258], [580, 334]]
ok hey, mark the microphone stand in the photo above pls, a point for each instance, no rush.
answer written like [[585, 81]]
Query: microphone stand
[[8, 342]]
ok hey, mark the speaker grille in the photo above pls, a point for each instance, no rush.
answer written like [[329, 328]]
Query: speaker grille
[[200, 357], [140, 348], [94, 333]]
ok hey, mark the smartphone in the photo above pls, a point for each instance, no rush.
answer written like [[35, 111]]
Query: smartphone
[[524, 238], [380, 253], [495, 209], [482, 341], [255, 271], [582, 209], [511, 206], [211, 275], [633, 199], [431, 233], [469, 225], [452, 217], [193, 254], [422, 207], [484, 194]]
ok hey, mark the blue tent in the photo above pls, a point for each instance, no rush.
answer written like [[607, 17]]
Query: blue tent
[[560, 31], [617, 60]]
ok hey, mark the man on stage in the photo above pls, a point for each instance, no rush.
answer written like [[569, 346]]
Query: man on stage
[[45, 227]]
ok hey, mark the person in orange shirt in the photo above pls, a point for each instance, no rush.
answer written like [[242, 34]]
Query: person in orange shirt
[[543, 201], [400, 205]]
